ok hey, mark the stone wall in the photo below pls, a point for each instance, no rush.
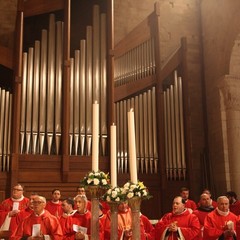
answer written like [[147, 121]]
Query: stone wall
[[7, 22], [220, 21]]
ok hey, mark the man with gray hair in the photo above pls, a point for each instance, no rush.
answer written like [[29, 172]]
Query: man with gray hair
[[39, 225], [220, 223]]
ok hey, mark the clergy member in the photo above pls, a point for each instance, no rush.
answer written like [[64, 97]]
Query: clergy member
[[10, 208], [178, 224], [54, 206], [78, 226], [220, 223], [39, 225]]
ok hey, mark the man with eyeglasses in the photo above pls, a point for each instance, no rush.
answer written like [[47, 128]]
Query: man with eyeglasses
[[39, 225], [10, 208]]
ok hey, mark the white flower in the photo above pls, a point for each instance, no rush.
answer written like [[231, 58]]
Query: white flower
[[138, 194], [114, 194], [144, 193], [89, 180], [109, 191], [108, 199], [133, 186], [117, 199], [97, 174], [130, 195], [117, 189], [126, 185], [104, 181], [91, 174], [96, 181]]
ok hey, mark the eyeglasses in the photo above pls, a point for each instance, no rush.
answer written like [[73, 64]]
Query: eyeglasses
[[37, 202], [16, 189]]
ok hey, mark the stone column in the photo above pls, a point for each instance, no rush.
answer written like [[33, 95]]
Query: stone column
[[230, 109]]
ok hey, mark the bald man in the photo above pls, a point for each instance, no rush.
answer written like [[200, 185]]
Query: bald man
[[180, 223], [220, 223]]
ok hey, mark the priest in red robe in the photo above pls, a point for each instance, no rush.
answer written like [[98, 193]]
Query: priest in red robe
[[78, 226], [54, 206], [39, 225], [124, 224], [220, 223], [205, 207], [178, 224], [10, 208]]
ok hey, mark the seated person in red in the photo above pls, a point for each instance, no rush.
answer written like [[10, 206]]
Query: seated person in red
[[124, 224], [184, 193], [212, 202], [67, 206], [78, 226], [10, 208], [39, 225], [204, 208], [54, 206], [220, 223], [81, 191], [178, 224], [234, 206]]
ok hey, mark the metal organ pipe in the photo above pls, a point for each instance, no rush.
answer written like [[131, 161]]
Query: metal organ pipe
[[41, 103], [51, 82], [58, 85], [5, 128], [144, 106], [174, 130], [43, 91]]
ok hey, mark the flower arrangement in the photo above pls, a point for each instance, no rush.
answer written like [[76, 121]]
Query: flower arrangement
[[114, 195], [135, 190], [98, 178]]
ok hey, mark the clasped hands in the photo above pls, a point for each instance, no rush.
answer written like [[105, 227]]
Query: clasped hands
[[173, 227]]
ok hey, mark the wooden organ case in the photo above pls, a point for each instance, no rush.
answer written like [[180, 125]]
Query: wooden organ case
[[158, 94], [64, 60]]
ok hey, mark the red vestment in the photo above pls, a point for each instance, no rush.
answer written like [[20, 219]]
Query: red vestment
[[214, 222], [7, 206], [235, 208], [188, 226], [190, 204], [49, 226], [54, 208], [124, 223], [82, 220], [148, 227]]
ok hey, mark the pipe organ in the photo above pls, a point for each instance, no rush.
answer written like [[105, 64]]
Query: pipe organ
[[174, 130], [144, 106], [5, 129], [135, 64], [41, 104]]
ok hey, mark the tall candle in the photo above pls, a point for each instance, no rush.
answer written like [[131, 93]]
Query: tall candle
[[132, 147], [113, 156], [95, 138]]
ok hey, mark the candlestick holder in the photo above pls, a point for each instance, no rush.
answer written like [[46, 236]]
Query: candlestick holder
[[114, 220], [135, 204]]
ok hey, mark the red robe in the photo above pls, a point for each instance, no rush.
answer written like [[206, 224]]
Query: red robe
[[190, 204], [124, 223], [148, 227], [235, 208], [83, 220], [214, 222], [188, 226], [54, 208], [7, 206], [49, 226]]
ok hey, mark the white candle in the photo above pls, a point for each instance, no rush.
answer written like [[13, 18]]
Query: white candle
[[95, 132], [132, 147], [113, 156]]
